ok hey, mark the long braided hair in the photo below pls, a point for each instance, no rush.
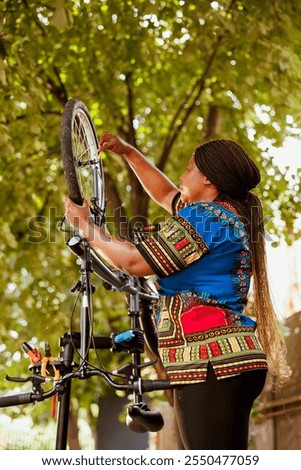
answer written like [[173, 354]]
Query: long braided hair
[[229, 167]]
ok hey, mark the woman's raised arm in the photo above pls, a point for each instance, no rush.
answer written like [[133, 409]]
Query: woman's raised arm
[[155, 183]]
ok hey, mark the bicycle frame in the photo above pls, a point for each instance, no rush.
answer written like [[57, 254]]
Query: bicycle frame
[[141, 419]]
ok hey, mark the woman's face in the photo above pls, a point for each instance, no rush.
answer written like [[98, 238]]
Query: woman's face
[[194, 185]]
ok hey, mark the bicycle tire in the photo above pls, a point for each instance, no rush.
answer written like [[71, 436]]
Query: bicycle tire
[[81, 161]]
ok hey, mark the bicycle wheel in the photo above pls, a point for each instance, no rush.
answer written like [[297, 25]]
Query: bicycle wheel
[[82, 164]]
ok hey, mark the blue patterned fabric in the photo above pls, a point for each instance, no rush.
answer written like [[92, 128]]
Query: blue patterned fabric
[[221, 277]]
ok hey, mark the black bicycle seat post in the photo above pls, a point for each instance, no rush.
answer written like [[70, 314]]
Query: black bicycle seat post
[[86, 305], [134, 313], [64, 394]]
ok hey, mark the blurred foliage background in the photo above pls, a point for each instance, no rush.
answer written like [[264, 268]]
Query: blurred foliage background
[[164, 75]]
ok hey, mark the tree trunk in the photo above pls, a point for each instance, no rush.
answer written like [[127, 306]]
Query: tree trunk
[[73, 432], [213, 122]]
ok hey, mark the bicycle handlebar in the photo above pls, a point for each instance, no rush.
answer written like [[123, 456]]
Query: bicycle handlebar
[[13, 400], [25, 398], [138, 386]]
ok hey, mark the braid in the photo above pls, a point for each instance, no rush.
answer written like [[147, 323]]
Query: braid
[[267, 323], [268, 332]]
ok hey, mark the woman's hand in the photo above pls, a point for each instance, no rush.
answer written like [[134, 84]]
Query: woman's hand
[[121, 254], [78, 216], [113, 143]]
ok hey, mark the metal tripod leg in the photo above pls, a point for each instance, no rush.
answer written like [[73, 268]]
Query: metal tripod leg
[[63, 419], [64, 402]]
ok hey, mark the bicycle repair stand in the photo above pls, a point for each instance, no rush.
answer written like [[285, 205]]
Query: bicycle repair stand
[[140, 418], [132, 340]]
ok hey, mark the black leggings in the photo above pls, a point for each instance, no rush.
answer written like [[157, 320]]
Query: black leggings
[[215, 414]]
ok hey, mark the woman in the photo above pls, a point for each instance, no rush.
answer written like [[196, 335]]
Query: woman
[[204, 257]]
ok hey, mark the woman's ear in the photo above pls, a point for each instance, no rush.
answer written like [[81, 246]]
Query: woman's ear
[[211, 187], [207, 181]]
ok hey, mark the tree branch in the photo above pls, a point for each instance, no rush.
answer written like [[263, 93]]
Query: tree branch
[[194, 95], [58, 90], [213, 122], [130, 102], [115, 205], [139, 198]]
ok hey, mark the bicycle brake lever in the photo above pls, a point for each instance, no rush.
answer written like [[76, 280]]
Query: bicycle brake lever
[[32, 378], [127, 369], [17, 379]]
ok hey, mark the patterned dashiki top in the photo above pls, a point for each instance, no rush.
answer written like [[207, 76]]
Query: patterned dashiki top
[[202, 261]]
